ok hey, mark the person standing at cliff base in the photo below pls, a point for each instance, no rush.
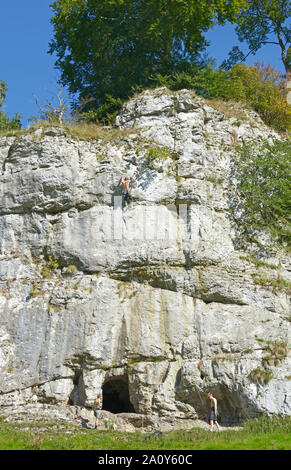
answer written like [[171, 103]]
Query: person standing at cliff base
[[213, 412], [97, 407]]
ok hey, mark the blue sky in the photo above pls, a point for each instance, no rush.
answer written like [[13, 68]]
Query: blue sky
[[28, 69]]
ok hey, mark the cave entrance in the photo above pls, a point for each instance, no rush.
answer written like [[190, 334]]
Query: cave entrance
[[116, 396], [78, 395]]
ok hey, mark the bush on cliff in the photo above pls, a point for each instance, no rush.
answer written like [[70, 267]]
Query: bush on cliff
[[264, 186], [259, 87]]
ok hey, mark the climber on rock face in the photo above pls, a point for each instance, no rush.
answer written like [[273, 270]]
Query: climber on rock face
[[125, 181]]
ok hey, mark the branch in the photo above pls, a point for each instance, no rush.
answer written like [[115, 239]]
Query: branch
[[252, 51]]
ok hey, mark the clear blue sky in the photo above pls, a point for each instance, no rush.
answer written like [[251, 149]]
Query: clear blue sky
[[28, 69]]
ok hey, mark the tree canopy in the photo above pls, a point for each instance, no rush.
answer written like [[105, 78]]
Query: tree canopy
[[264, 22], [111, 47]]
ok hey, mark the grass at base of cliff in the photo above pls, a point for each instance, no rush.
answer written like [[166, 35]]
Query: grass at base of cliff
[[260, 434]]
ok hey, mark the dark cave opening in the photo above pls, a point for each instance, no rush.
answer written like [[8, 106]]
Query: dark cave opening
[[77, 396], [116, 396]]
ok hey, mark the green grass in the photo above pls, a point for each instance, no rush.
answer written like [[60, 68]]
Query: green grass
[[260, 434]]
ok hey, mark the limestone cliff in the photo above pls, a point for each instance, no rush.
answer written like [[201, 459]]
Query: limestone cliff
[[157, 303]]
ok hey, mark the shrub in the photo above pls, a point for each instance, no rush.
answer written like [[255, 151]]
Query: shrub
[[277, 351], [264, 90], [105, 114], [263, 171], [35, 291], [260, 87], [50, 266], [159, 153], [261, 375], [7, 123]]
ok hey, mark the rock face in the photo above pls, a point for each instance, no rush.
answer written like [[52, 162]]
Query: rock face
[[155, 304]]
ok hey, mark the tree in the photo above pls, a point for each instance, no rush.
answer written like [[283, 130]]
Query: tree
[[5, 122], [265, 190], [3, 89], [259, 24], [51, 111], [111, 47]]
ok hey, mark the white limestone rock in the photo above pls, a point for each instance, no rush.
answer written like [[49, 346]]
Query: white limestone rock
[[158, 299]]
